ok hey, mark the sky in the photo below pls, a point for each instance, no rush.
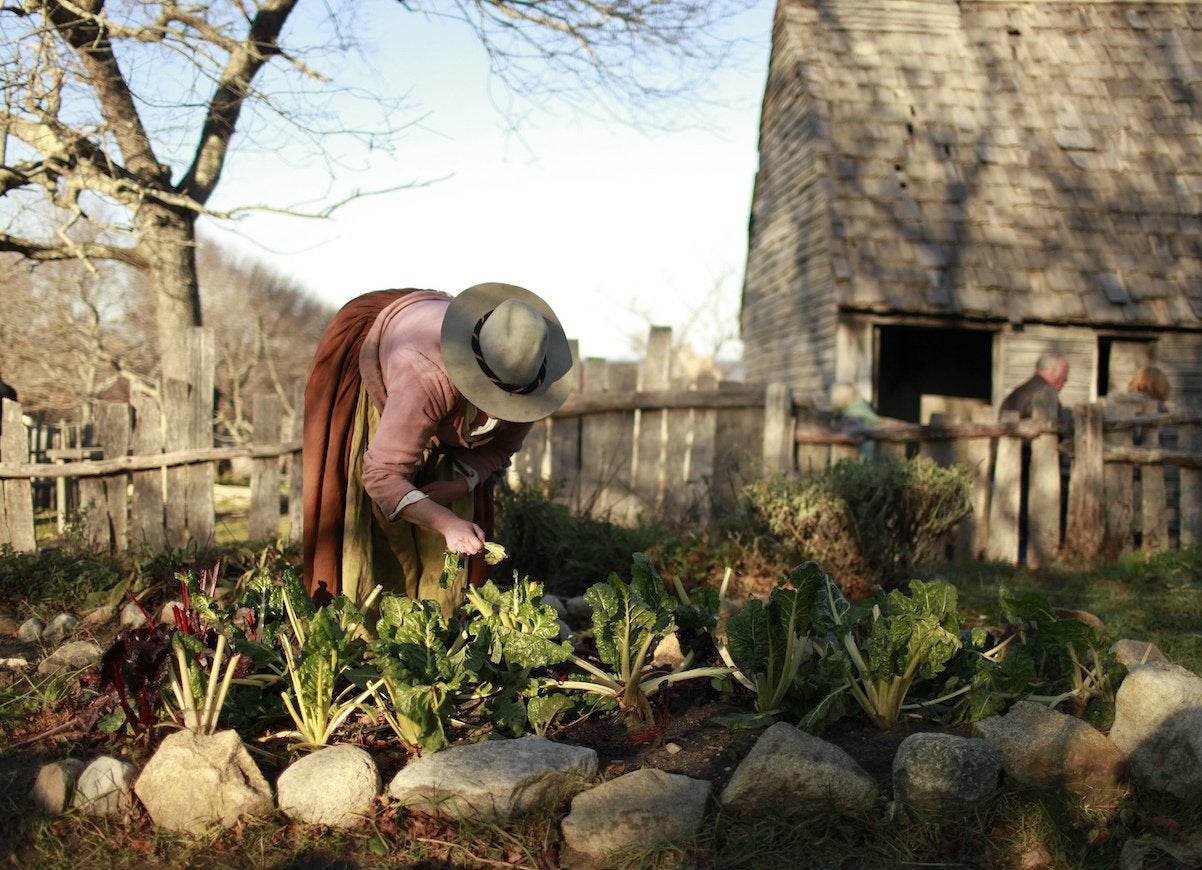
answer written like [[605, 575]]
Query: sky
[[615, 227]]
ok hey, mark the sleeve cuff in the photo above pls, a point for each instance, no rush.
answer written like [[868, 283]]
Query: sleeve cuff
[[411, 497]]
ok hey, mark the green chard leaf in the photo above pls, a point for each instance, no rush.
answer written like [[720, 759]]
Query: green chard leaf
[[629, 618]]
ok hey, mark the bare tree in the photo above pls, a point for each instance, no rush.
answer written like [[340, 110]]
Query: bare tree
[[133, 105], [71, 335]]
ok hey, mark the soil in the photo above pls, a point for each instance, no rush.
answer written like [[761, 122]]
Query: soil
[[688, 742]]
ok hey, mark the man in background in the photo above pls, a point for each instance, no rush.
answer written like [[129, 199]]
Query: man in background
[[1041, 391]]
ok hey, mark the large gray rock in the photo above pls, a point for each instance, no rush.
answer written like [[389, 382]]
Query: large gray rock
[[105, 788], [196, 781], [635, 811], [1158, 727], [494, 780], [1046, 749], [74, 655], [55, 785], [790, 771], [945, 773], [334, 786]]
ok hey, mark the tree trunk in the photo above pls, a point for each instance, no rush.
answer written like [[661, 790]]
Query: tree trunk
[[169, 242]]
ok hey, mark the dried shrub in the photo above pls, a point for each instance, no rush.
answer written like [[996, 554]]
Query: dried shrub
[[867, 522]]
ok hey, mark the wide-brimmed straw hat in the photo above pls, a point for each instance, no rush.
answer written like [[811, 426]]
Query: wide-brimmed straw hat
[[506, 352]]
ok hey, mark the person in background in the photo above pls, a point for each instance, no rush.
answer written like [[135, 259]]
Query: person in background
[[1149, 383], [853, 411], [1041, 391], [415, 400]]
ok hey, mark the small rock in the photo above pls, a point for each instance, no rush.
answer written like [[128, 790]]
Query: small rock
[[1046, 749], [565, 632], [495, 780], [579, 610], [673, 748], [791, 771], [14, 663], [8, 625], [105, 787], [945, 773], [1158, 727], [55, 786], [31, 630], [668, 653], [556, 603], [73, 656], [58, 629], [131, 616], [167, 614], [100, 616]]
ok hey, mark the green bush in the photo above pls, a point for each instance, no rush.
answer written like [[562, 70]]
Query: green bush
[[869, 523]]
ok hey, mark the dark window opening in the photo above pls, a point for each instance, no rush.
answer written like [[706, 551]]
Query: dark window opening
[[913, 361], [1118, 360]]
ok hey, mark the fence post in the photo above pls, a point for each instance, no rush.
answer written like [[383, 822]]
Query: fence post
[[780, 439], [1043, 496], [296, 493], [973, 537], [16, 495], [264, 521], [1190, 497], [1086, 505], [202, 477], [652, 443], [1153, 511], [1005, 505], [146, 508], [1118, 485]]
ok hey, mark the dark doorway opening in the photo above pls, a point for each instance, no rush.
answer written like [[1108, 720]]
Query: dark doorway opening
[[913, 361]]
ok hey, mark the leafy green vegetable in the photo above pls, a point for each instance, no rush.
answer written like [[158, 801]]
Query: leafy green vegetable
[[881, 651], [771, 641], [519, 629], [628, 619]]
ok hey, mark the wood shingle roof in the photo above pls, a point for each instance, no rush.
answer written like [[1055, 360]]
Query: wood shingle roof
[[1033, 161]]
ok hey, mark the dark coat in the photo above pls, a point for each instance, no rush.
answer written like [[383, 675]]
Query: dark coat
[[1034, 393]]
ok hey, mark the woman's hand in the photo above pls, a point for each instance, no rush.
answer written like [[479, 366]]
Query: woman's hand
[[463, 537], [444, 492]]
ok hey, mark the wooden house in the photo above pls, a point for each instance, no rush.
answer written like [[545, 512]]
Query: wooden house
[[947, 189]]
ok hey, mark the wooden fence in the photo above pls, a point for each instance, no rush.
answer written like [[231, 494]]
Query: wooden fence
[[633, 441]]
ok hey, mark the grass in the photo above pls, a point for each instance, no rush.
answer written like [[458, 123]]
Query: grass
[[1151, 597]]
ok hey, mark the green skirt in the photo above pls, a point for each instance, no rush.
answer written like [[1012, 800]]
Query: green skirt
[[401, 557]]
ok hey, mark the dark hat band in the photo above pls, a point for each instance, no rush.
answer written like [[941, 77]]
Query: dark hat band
[[514, 389]]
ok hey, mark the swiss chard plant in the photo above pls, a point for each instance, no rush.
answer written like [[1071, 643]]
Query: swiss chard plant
[[770, 641], [330, 643], [423, 661], [628, 620], [875, 651], [1069, 657]]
